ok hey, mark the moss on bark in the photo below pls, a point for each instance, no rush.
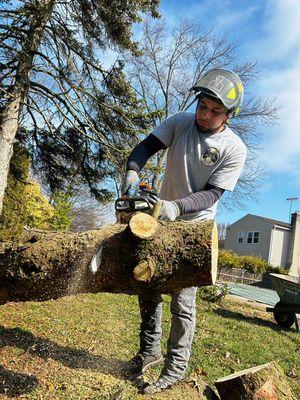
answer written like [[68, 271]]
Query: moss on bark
[[48, 265]]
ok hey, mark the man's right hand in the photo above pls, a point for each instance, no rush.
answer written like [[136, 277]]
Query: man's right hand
[[130, 182]]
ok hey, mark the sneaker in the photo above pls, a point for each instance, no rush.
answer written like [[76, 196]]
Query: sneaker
[[159, 386], [140, 363]]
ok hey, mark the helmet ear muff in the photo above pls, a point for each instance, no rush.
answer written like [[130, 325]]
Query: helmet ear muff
[[234, 112]]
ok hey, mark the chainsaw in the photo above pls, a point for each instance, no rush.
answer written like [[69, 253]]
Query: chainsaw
[[140, 199]]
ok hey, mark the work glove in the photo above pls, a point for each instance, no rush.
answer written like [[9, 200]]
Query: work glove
[[130, 182], [169, 210]]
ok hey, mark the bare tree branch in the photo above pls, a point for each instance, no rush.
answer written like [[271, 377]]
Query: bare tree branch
[[171, 62]]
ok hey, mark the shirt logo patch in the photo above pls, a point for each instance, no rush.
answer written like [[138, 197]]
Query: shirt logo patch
[[210, 157]]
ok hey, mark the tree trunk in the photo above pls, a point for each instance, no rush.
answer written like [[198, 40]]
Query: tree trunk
[[264, 382], [117, 258], [160, 160], [10, 114]]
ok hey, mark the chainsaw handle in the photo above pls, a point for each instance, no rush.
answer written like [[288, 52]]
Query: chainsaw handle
[[130, 191], [156, 210]]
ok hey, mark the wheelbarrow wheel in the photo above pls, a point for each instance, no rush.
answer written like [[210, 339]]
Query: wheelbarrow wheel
[[283, 318]]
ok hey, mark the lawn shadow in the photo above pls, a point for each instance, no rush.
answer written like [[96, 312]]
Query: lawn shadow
[[252, 320], [210, 394], [68, 356], [15, 384]]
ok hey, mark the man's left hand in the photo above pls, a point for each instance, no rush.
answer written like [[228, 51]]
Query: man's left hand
[[169, 211]]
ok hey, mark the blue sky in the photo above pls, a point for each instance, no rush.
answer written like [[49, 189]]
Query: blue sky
[[268, 31]]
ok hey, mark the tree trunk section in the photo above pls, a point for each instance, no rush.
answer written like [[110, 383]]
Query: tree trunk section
[[10, 114], [49, 265], [143, 226], [264, 382]]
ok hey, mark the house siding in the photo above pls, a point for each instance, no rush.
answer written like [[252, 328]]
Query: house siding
[[246, 224], [279, 247]]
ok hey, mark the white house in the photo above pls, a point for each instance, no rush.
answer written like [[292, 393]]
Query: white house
[[275, 241]]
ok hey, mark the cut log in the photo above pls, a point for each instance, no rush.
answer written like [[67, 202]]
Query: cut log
[[117, 258], [145, 270], [143, 226], [264, 382]]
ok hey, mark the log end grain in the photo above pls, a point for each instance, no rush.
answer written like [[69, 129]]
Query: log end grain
[[145, 270], [143, 225], [263, 382]]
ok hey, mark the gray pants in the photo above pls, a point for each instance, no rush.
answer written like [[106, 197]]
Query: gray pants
[[181, 334]]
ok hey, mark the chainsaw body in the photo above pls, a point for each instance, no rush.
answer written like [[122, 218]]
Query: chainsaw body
[[128, 204]]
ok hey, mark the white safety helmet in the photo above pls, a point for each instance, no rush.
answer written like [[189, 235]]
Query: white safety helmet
[[224, 85]]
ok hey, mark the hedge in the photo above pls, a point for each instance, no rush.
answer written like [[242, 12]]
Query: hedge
[[229, 259]]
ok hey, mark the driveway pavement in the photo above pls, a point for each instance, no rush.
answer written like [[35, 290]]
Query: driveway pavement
[[265, 296]]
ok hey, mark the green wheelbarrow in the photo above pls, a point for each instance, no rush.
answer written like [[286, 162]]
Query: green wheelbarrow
[[286, 310]]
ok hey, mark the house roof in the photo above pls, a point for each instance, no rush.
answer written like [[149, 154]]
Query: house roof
[[273, 221]]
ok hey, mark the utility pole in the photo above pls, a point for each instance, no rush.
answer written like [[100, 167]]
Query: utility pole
[[291, 199]]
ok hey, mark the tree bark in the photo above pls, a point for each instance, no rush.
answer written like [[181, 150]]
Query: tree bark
[[10, 114], [264, 382], [49, 265]]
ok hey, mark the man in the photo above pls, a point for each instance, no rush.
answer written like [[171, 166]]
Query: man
[[205, 158]]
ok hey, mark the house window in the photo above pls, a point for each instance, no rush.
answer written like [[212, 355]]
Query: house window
[[241, 237], [253, 237]]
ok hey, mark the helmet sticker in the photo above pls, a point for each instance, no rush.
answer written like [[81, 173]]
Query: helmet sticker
[[217, 83], [231, 94], [210, 157]]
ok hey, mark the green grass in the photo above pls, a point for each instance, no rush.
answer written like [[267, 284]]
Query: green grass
[[75, 347]]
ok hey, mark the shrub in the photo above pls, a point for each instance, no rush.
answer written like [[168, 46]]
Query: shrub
[[254, 264], [62, 211], [40, 211], [229, 259], [213, 294], [23, 203]]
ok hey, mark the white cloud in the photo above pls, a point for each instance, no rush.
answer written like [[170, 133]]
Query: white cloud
[[220, 16], [281, 79], [227, 21], [283, 28]]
